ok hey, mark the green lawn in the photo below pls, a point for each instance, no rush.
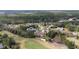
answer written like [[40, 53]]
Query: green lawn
[[31, 44]]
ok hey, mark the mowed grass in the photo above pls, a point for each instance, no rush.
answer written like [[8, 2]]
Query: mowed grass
[[28, 43], [31, 44]]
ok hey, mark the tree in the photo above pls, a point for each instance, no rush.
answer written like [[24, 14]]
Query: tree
[[12, 42], [51, 34], [70, 44], [5, 41]]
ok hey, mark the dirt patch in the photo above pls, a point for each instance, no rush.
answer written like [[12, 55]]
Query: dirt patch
[[52, 45]]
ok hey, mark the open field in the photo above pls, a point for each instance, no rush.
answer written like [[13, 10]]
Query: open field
[[39, 29], [24, 42], [34, 43]]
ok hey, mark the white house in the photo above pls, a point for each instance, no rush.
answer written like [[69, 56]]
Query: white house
[[60, 29], [70, 19]]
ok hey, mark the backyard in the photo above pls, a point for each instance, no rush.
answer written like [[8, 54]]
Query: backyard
[[24, 42], [33, 43]]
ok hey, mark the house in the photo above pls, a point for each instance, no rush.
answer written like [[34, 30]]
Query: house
[[31, 29], [71, 34], [74, 33], [39, 33], [61, 29], [68, 20]]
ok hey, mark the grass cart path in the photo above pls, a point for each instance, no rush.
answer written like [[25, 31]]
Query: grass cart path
[[33, 42], [24, 41]]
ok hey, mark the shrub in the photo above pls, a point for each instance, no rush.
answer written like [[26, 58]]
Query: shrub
[[5, 36], [12, 42], [30, 34], [51, 34], [70, 44]]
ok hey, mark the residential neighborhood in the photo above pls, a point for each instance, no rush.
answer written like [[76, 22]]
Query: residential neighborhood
[[48, 30]]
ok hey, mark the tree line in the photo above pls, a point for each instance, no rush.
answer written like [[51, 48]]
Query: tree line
[[35, 18]]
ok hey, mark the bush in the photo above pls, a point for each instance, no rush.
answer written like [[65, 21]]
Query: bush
[[30, 34], [12, 42], [51, 34], [70, 44], [46, 37], [5, 41], [5, 36]]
